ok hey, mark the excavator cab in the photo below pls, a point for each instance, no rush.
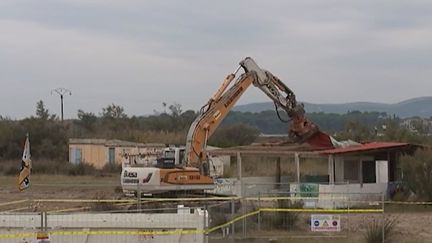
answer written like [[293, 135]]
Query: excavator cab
[[171, 157]]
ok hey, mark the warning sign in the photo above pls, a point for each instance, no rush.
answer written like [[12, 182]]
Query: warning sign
[[325, 222], [42, 237]]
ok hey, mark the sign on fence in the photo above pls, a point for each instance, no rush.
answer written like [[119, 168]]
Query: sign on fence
[[325, 222], [42, 237]]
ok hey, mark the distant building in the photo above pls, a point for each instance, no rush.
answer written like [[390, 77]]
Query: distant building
[[418, 125], [99, 152]]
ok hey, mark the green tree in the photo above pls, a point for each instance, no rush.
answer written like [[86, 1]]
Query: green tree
[[417, 172], [356, 131], [41, 112], [186, 119], [234, 135], [10, 147], [175, 109], [113, 111], [87, 119], [394, 132]]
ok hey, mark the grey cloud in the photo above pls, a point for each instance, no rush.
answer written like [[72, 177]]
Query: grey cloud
[[140, 53]]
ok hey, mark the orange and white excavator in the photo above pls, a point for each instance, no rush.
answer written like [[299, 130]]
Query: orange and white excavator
[[187, 169]]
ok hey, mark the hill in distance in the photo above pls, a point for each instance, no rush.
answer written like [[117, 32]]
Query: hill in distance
[[421, 107]]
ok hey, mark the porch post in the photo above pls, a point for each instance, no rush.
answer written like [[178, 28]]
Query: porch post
[[297, 163], [391, 168], [331, 169], [278, 172], [361, 172], [239, 172]]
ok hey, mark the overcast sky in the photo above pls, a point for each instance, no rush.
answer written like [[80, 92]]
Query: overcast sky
[[138, 54]]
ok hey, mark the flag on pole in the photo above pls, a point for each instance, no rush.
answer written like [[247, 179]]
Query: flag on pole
[[24, 175]]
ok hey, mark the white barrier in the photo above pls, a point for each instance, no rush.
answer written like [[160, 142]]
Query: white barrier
[[187, 225]]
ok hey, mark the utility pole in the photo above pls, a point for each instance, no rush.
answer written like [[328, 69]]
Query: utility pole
[[61, 92]]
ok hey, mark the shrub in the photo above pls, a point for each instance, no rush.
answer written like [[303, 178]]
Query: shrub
[[283, 220], [399, 191], [112, 168], [82, 169], [9, 167], [50, 167], [418, 173], [102, 206], [11, 170], [234, 135], [287, 220], [118, 189], [375, 229]]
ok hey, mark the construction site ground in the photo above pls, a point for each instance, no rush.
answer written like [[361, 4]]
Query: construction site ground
[[413, 222]]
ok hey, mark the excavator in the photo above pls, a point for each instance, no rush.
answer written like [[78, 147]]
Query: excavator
[[187, 169]]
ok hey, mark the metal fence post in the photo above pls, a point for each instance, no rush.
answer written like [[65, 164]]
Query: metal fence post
[[348, 219], [259, 212], [46, 221], [232, 217], [244, 219], [383, 217], [42, 221], [138, 198], [206, 216]]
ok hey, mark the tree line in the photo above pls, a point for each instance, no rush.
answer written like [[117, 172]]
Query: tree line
[[49, 136], [354, 125]]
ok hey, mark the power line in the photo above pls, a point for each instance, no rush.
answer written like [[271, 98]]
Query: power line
[[61, 92]]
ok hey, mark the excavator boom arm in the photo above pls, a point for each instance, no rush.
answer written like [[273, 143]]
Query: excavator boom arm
[[210, 117], [218, 107], [300, 128]]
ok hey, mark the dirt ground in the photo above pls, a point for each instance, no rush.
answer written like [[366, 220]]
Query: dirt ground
[[105, 186], [413, 223]]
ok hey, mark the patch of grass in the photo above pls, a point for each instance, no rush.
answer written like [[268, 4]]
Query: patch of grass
[[408, 208], [50, 167], [11, 170], [9, 167], [81, 169], [118, 189], [374, 231]]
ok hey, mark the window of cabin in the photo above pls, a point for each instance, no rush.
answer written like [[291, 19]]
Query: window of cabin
[[351, 171], [369, 171]]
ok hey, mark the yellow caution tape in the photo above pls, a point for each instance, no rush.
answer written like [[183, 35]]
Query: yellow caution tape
[[13, 202], [168, 232], [3, 236], [67, 210], [233, 221], [317, 210], [16, 209], [293, 198], [84, 200]]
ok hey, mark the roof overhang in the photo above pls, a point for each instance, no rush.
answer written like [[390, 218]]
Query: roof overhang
[[370, 147]]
